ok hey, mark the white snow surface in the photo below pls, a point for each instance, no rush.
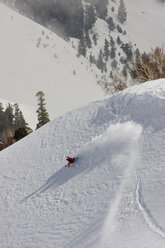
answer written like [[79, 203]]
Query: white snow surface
[[113, 197], [35, 59], [145, 23]]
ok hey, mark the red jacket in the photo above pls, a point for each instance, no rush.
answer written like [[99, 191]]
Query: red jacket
[[70, 160]]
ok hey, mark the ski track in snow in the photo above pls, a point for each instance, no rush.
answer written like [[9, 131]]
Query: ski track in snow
[[149, 219], [100, 203], [133, 132]]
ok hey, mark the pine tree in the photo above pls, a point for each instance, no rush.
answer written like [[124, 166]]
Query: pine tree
[[92, 59], [20, 133], [119, 29], [1, 118], [122, 13], [9, 116], [19, 120], [95, 38], [127, 48], [4, 121], [113, 48], [100, 64], [43, 116], [113, 53], [88, 40], [6, 126], [82, 47], [89, 17], [106, 49], [111, 23], [118, 40], [112, 42]]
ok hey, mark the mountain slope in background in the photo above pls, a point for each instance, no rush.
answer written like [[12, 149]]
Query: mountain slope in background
[[107, 42], [113, 197], [117, 43], [144, 20], [34, 59]]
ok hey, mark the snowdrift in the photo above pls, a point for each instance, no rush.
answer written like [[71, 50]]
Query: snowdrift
[[113, 197]]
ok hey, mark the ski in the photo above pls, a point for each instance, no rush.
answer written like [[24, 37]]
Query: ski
[[69, 166]]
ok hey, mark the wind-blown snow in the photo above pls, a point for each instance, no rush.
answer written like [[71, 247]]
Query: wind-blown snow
[[113, 197], [129, 137]]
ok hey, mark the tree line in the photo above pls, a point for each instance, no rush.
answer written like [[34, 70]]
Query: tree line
[[13, 126], [139, 68]]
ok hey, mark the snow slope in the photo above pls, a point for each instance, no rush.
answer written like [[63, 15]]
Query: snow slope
[[113, 197], [34, 59], [145, 23], [144, 29]]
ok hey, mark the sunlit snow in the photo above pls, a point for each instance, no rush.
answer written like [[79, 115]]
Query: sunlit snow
[[112, 197]]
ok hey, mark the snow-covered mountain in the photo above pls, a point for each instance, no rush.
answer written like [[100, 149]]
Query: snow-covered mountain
[[113, 197], [34, 59], [117, 43], [106, 37], [145, 23]]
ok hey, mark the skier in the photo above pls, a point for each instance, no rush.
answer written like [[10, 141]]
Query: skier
[[70, 160]]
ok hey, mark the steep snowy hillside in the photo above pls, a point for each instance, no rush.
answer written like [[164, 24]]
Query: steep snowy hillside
[[34, 59], [107, 33], [113, 197], [145, 18], [115, 42]]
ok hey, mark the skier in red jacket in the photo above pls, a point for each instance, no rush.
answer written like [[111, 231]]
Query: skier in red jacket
[[70, 160]]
